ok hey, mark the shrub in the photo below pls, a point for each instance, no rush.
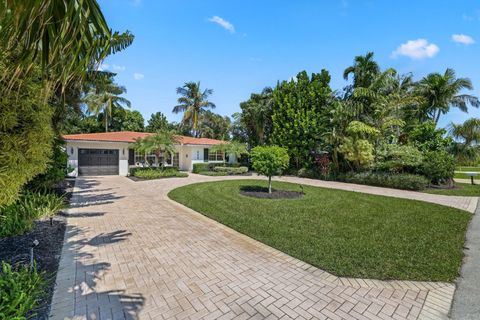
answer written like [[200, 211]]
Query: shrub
[[231, 170], [20, 291], [56, 168], [157, 173], [213, 173], [26, 132], [438, 167], [203, 166], [18, 218], [404, 181], [270, 161], [399, 158]]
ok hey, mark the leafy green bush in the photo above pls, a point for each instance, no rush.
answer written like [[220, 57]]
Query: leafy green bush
[[404, 181], [26, 132], [438, 167], [18, 218], [20, 292], [426, 137], [399, 158], [231, 170], [157, 173], [203, 166], [56, 168]]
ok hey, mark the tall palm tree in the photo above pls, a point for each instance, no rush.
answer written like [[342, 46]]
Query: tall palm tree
[[364, 70], [193, 102], [256, 116], [442, 91], [468, 132], [104, 97]]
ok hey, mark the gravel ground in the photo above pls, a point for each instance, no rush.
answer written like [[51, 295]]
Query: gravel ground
[[16, 249]]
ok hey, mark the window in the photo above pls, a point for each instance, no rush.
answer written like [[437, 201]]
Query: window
[[140, 158], [176, 160], [198, 155], [215, 156]]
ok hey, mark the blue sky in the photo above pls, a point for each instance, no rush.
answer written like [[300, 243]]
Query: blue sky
[[239, 47]]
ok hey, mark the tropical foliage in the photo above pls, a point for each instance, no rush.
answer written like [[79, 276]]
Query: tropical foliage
[[47, 50], [161, 143], [193, 103], [382, 123], [21, 290]]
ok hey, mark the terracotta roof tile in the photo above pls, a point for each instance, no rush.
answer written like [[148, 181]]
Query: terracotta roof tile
[[130, 136]]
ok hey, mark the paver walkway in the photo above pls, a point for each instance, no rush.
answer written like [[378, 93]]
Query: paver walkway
[[131, 253]]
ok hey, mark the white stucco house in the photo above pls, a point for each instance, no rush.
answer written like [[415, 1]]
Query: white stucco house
[[112, 153]]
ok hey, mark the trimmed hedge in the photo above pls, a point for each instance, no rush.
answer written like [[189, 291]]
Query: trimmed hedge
[[213, 173], [231, 170], [203, 166], [403, 181], [157, 173]]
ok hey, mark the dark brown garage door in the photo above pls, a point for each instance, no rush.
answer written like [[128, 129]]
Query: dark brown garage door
[[97, 162]]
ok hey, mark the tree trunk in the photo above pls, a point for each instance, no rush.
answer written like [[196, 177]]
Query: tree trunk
[[437, 117], [270, 184], [106, 121]]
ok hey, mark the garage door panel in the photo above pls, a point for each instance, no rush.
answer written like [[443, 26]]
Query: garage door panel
[[98, 162]]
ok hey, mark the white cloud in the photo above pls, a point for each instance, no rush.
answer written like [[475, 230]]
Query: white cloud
[[103, 67], [223, 23], [118, 68], [416, 49], [138, 76], [463, 39]]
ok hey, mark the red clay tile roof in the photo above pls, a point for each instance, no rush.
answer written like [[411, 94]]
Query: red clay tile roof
[[130, 136]]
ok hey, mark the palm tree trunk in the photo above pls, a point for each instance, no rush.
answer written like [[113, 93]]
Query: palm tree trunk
[[106, 120], [437, 117]]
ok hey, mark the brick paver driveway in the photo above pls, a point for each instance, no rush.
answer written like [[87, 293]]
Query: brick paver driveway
[[131, 253]]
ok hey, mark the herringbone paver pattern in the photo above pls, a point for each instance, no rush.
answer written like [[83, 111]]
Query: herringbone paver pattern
[[131, 253]]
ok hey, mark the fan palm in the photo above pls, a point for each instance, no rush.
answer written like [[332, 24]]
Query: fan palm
[[364, 70], [104, 98], [442, 91], [193, 102]]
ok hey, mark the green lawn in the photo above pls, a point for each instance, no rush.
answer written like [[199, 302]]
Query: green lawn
[[459, 175], [475, 169], [346, 233], [461, 189]]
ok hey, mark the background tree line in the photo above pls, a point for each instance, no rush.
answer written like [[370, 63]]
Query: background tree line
[[382, 122]]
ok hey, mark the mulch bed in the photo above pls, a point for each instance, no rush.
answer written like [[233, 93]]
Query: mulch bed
[[16, 249], [262, 193]]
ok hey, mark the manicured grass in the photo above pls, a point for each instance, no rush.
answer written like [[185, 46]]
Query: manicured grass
[[346, 233], [475, 169], [459, 175], [461, 189]]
